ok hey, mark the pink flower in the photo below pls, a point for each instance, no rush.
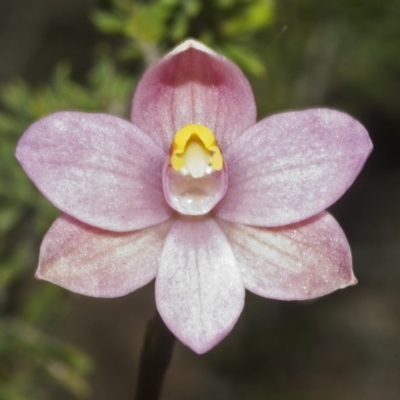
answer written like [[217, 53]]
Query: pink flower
[[150, 198]]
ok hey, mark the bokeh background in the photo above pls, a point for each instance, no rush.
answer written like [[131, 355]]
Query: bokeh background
[[88, 55]]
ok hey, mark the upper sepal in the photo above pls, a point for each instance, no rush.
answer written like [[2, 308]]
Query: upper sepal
[[193, 85]]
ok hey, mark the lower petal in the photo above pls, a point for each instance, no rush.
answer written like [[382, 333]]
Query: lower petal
[[100, 263], [294, 262], [199, 290]]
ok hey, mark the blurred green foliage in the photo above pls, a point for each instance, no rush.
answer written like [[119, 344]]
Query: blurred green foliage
[[339, 52], [152, 27], [29, 357]]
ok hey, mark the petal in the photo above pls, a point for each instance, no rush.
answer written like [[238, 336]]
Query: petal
[[192, 84], [291, 166], [199, 290], [97, 168], [100, 263], [294, 262]]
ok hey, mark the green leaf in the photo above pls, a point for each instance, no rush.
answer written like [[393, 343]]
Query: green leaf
[[108, 23], [49, 358], [9, 215], [179, 28], [147, 23], [13, 267], [245, 58], [256, 16], [15, 96]]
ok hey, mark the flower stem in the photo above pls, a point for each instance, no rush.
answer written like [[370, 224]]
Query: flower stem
[[156, 355]]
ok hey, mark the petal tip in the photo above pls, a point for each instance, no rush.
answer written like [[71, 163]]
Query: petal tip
[[38, 275], [190, 44], [370, 145], [206, 346], [200, 345], [353, 281]]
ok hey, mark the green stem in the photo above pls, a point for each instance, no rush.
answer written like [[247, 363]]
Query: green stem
[[156, 355]]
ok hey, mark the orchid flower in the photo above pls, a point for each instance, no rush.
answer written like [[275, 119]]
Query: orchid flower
[[198, 195]]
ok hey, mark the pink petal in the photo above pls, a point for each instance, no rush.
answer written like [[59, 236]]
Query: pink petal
[[199, 290], [291, 166], [100, 263], [192, 84], [98, 168], [294, 262]]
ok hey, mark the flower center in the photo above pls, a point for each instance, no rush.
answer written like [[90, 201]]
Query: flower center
[[195, 151], [195, 177]]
